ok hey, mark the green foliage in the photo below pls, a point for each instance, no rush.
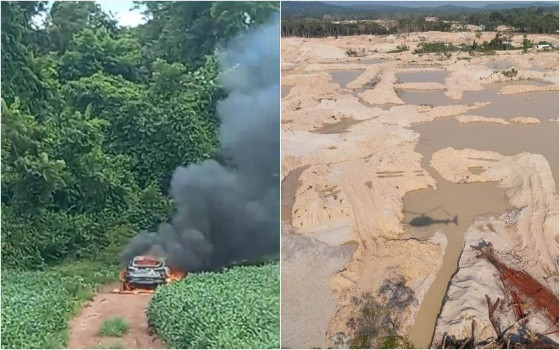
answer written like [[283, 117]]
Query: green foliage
[[376, 319], [92, 51], [204, 25], [510, 73], [435, 47], [400, 48], [355, 53], [70, 17], [310, 28], [395, 341], [236, 308], [114, 327], [316, 19], [63, 196], [36, 306], [96, 119], [22, 75]]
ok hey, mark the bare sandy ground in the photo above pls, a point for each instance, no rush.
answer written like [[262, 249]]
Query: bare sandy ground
[[526, 238], [357, 174]]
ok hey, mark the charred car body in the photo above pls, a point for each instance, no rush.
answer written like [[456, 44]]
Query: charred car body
[[145, 273]]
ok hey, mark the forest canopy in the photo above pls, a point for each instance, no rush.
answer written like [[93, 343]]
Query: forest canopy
[[95, 118], [318, 19]]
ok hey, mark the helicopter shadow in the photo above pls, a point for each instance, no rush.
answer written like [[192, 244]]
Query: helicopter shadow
[[423, 220]]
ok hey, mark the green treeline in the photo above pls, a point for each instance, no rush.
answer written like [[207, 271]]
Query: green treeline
[[96, 117], [310, 27], [313, 28], [322, 20]]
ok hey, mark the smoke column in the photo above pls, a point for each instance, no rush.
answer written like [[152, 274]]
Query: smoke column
[[230, 213]]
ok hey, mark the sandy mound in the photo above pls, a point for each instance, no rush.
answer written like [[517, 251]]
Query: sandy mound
[[354, 176], [479, 119], [526, 239]]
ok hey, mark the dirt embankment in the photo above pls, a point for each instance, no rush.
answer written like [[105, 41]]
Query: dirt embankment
[[525, 239], [353, 175], [85, 327]]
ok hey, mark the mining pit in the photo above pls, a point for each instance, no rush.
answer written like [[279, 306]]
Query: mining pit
[[396, 167]]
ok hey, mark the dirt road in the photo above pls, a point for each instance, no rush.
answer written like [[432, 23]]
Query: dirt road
[[84, 328]]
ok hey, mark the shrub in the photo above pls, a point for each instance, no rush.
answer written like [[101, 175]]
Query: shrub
[[395, 341], [400, 48], [355, 53], [510, 73], [435, 47], [236, 308], [114, 327], [36, 306], [376, 318]]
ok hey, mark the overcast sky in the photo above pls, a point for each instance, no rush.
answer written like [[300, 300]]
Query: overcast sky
[[120, 9]]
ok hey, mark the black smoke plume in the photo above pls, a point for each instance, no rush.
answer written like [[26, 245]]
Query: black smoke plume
[[227, 214]]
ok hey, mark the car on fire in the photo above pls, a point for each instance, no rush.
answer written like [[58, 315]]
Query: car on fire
[[144, 273]]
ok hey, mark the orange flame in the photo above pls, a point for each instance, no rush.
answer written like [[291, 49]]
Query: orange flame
[[172, 276], [175, 275]]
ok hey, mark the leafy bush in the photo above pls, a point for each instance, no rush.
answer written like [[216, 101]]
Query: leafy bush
[[510, 73], [355, 53], [36, 306], [376, 319], [400, 48], [114, 327], [237, 308], [395, 341], [435, 47]]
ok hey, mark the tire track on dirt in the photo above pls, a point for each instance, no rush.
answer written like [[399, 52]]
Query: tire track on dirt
[[84, 328]]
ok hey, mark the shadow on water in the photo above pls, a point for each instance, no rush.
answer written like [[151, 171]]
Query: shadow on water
[[425, 220], [338, 127]]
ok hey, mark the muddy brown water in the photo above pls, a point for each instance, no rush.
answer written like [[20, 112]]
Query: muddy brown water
[[285, 90], [344, 77], [499, 65], [538, 68], [371, 61], [467, 201], [542, 105], [338, 127], [508, 140], [436, 76]]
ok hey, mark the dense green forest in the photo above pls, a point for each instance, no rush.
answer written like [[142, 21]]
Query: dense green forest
[[316, 19], [95, 119]]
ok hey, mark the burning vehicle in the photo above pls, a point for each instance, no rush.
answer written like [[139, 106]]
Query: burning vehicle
[[144, 274]]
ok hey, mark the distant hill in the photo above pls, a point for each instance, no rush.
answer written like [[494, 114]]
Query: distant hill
[[444, 4], [510, 5], [379, 9], [314, 9]]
